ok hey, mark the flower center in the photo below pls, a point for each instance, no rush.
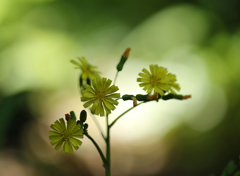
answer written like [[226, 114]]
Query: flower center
[[100, 95], [154, 80], [66, 135]]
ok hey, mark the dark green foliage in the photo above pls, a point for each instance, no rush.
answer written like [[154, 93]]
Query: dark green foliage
[[232, 169]]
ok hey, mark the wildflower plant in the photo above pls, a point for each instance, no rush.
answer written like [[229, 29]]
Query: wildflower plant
[[100, 96]]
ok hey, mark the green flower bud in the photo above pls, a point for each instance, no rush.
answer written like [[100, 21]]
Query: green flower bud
[[172, 96], [83, 116], [73, 116], [141, 97], [127, 97], [85, 126], [123, 59]]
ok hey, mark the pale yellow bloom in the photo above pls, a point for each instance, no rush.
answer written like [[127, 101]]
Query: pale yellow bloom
[[88, 70], [172, 82], [66, 135], [101, 96], [155, 81]]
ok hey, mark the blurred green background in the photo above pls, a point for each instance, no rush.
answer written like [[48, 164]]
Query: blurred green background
[[198, 40]]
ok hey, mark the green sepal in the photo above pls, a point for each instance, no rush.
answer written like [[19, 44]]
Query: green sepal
[[127, 97], [141, 97], [83, 116], [73, 116], [172, 96]]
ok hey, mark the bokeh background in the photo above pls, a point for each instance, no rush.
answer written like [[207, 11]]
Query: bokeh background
[[198, 40]]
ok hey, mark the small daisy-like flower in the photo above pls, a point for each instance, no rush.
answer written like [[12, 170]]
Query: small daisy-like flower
[[66, 135], [100, 95], [172, 82], [154, 81], [88, 70]]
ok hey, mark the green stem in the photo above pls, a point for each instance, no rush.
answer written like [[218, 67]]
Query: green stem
[[98, 149], [123, 114], [115, 79], [98, 125], [108, 151]]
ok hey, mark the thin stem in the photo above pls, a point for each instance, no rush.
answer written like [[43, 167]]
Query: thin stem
[[108, 151], [98, 125], [115, 79], [98, 149], [123, 114]]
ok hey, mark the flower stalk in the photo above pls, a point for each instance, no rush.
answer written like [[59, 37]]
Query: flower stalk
[[101, 98], [98, 149], [108, 149]]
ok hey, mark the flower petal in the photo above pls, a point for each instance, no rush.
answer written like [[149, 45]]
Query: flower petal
[[115, 95], [55, 139], [112, 89], [59, 145], [94, 84], [77, 127], [143, 75], [107, 84], [67, 147], [86, 98], [63, 124], [56, 127], [88, 88], [115, 102], [88, 94], [54, 133], [108, 111], [75, 142], [71, 124], [146, 72], [89, 103], [109, 105]]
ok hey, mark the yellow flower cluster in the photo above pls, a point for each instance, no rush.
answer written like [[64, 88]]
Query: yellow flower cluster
[[158, 80]]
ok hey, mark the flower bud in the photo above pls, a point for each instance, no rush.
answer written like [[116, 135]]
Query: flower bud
[[187, 97], [67, 117], [85, 126], [73, 116], [141, 97], [174, 96], [127, 97], [123, 59], [83, 116]]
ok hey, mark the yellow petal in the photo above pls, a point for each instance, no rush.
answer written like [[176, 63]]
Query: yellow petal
[[59, 145], [67, 147]]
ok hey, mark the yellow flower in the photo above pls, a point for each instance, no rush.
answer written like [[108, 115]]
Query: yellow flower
[[66, 135], [100, 95], [172, 82], [88, 70], [154, 81]]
